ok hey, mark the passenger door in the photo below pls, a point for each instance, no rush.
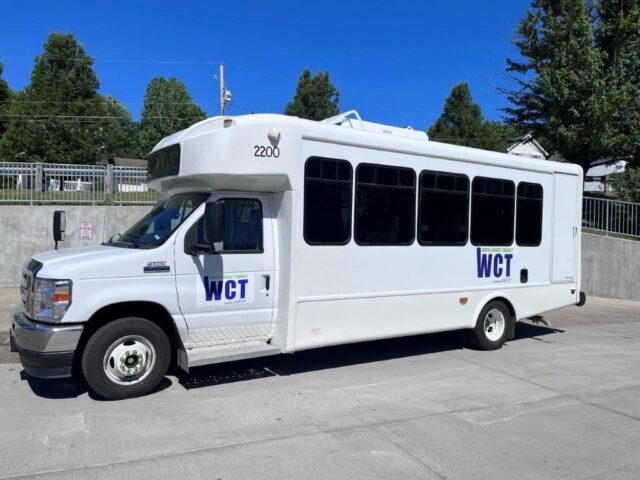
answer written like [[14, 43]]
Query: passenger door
[[227, 296]]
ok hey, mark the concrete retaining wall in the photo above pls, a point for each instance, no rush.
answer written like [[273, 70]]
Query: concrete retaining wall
[[610, 267], [27, 230]]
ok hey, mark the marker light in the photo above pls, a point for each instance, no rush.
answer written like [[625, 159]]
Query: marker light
[[274, 136], [228, 122]]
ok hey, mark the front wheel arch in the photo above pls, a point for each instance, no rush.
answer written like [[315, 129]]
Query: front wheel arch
[[154, 312]]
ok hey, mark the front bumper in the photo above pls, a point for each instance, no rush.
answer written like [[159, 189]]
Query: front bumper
[[46, 350]]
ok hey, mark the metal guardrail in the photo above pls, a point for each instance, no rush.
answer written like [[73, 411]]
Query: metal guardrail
[[130, 186], [611, 216], [38, 183], [48, 183]]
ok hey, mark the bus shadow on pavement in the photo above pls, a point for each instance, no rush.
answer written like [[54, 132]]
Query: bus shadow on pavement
[[71, 387], [300, 362], [340, 356]]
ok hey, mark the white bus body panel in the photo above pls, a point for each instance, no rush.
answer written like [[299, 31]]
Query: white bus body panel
[[565, 233], [352, 293], [327, 295]]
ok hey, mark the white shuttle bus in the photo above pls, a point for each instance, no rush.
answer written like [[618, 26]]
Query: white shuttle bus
[[277, 234]]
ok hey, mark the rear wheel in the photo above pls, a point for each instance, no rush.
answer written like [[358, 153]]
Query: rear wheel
[[126, 358], [492, 327]]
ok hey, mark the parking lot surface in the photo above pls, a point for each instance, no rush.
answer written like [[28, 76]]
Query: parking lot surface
[[560, 402]]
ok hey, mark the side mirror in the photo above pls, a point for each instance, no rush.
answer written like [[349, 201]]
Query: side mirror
[[59, 226], [214, 222]]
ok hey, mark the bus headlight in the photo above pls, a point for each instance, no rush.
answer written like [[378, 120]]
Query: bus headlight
[[52, 299]]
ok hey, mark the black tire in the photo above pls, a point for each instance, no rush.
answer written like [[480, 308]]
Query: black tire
[[98, 370], [481, 336]]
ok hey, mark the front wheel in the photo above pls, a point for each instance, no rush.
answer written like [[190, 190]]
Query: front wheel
[[492, 327], [126, 358]]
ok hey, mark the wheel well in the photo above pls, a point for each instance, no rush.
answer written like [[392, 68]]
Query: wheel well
[[512, 311], [149, 310], [512, 315]]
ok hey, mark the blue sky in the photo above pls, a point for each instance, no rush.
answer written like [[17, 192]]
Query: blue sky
[[395, 62]]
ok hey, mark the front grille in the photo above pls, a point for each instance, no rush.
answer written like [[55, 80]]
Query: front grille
[[28, 286]]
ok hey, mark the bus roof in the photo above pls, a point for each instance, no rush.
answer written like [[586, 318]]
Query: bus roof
[[345, 130]]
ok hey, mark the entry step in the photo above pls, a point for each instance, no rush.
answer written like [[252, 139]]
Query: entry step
[[229, 352]]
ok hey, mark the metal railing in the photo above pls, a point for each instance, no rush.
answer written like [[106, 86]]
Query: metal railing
[[130, 186], [38, 183], [611, 216]]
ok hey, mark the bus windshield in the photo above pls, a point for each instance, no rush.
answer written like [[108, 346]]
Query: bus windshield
[[158, 225]]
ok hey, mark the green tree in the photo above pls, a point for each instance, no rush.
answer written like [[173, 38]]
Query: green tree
[[617, 37], [577, 83], [461, 123], [118, 135], [316, 98], [627, 185], [5, 95], [168, 108], [59, 117]]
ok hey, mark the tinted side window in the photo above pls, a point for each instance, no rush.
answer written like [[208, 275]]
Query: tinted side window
[[492, 211], [443, 208], [243, 227], [327, 201], [529, 214], [385, 205]]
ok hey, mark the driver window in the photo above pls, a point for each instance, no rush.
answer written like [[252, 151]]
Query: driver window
[[243, 227]]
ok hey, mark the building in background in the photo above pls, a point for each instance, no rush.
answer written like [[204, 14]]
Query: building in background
[[597, 180], [527, 146]]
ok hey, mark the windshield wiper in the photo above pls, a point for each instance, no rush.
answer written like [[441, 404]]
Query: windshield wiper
[[119, 243]]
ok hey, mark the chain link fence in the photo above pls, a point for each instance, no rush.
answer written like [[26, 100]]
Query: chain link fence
[[37, 183]]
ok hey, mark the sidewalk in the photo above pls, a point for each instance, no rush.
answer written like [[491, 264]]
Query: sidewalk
[[9, 297]]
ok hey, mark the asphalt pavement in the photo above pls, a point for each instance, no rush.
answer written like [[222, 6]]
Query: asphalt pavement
[[560, 402]]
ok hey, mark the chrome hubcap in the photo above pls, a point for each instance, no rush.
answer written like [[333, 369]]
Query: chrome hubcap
[[129, 360], [494, 324]]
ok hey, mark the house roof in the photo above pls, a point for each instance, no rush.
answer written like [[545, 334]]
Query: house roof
[[528, 139], [603, 169]]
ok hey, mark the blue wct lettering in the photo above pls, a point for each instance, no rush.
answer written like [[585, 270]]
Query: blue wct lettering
[[213, 290], [484, 263], [508, 257], [497, 265], [243, 285], [230, 290]]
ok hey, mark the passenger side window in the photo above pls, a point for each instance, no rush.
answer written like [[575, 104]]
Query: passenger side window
[[243, 227], [492, 211], [443, 209], [327, 201], [385, 205], [529, 215]]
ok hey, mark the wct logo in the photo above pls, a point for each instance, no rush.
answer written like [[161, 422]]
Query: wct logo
[[227, 289], [494, 262]]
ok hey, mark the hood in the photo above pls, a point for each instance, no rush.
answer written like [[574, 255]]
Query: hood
[[100, 261]]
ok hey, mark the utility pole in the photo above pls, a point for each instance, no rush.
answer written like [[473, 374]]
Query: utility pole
[[225, 95]]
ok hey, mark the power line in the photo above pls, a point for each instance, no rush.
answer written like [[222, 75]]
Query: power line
[[73, 102], [92, 117], [93, 60], [241, 108]]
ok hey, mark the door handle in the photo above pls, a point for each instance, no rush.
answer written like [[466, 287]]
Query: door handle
[[267, 282]]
